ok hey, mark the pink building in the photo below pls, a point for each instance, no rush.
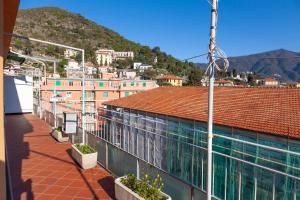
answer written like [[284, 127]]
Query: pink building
[[97, 91]]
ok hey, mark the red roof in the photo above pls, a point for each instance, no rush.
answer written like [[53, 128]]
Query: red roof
[[223, 81], [170, 77], [269, 110], [270, 79], [292, 83]]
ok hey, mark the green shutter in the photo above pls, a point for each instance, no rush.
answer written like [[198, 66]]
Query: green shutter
[[132, 83], [57, 82], [144, 84], [124, 84], [101, 84], [126, 94], [105, 94]]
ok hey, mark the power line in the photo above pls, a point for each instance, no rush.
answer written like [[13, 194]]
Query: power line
[[194, 57], [260, 58]]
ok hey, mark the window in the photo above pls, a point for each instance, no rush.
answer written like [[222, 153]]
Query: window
[[71, 83], [144, 84], [105, 94], [126, 94], [124, 84], [69, 94], [57, 82], [101, 84], [132, 83], [69, 105]]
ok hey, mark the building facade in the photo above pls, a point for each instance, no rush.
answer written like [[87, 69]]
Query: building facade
[[271, 82], [169, 80], [256, 150], [97, 91], [70, 53], [105, 57]]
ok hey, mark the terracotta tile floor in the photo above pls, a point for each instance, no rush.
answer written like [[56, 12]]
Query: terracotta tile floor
[[41, 168]]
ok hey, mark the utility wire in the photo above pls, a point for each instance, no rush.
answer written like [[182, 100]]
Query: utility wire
[[194, 57], [271, 57]]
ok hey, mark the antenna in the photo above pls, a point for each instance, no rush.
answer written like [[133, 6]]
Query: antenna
[[213, 51]]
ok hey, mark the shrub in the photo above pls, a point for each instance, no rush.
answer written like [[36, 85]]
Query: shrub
[[146, 188], [85, 149], [58, 129]]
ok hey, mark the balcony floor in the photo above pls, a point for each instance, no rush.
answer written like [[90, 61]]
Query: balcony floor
[[41, 168]]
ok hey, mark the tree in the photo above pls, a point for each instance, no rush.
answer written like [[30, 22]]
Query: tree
[[149, 74], [234, 73], [61, 67], [195, 76], [251, 80]]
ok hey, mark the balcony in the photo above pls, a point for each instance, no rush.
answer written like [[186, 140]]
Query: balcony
[[40, 168]]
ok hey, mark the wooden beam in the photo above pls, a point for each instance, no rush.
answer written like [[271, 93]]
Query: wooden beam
[[2, 139], [8, 14]]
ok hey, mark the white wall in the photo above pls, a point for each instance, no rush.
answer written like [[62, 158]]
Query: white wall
[[18, 94]]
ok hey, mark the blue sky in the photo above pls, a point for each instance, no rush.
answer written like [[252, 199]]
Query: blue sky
[[181, 27]]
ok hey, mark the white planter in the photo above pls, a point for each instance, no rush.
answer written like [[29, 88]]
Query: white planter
[[86, 161], [59, 136], [124, 193]]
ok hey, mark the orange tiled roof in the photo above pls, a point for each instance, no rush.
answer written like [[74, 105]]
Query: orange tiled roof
[[292, 83], [170, 77], [223, 81], [269, 110], [270, 79]]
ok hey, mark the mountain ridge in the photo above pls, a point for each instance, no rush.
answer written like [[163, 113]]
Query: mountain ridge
[[283, 62], [61, 26]]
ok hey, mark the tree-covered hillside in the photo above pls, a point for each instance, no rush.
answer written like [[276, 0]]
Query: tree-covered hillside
[[61, 26]]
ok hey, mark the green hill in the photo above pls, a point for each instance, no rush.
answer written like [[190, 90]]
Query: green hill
[[61, 26]]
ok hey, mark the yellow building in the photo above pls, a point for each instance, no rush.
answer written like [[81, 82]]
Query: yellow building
[[169, 80]]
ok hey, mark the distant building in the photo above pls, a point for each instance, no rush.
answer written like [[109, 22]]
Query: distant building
[[90, 68], [226, 83], [68, 53], [107, 56], [119, 55], [169, 80], [97, 91], [126, 74], [293, 84], [269, 81], [108, 75], [72, 64], [105, 69], [141, 67]]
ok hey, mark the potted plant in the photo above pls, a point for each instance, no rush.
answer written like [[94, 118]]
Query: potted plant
[[129, 187], [59, 135], [85, 155]]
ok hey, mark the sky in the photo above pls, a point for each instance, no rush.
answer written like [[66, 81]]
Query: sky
[[181, 27]]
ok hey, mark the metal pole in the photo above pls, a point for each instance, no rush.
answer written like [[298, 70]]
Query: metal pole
[[211, 52], [55, 96], [40, 94], [83, 118]]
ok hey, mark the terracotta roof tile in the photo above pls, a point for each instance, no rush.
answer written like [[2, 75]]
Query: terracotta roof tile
[[269, 110], [170, 77]]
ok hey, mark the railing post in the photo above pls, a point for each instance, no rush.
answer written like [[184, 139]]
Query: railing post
[[137, 168], [106, 155]]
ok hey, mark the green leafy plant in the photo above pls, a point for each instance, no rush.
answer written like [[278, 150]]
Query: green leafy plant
[[146, 188], [85, 149], [58, 129]]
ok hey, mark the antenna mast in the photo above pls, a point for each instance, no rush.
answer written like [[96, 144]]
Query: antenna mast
[[210, 71]]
